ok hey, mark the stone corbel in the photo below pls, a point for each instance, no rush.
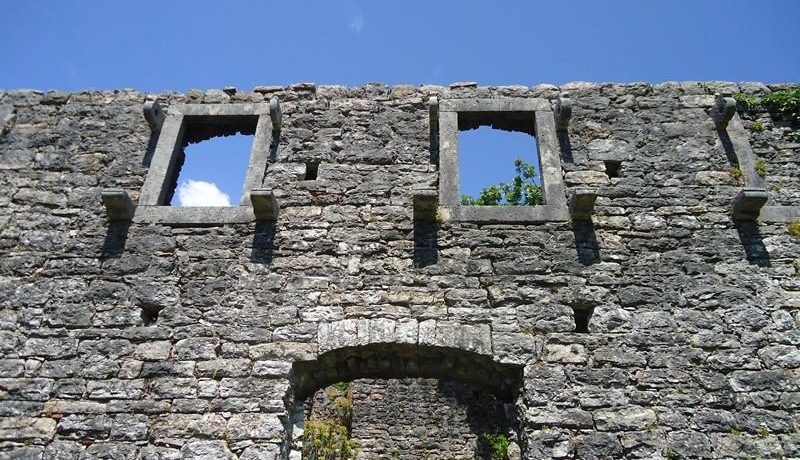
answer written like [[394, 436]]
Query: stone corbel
[[275, 114], [119, 207], [723, 110], [265, 206], [581, 204], [426, 205], [563, 112], [748, 203], [154, 114]]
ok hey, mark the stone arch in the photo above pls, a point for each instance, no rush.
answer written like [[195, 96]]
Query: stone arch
[[400, 349]]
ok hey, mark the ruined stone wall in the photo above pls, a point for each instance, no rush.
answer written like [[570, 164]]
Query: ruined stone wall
[[691, 350]]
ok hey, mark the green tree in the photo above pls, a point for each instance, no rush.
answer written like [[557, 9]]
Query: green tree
[[522, 190]]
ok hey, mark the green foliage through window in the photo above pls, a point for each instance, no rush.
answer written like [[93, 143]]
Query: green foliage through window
[[522, 190]]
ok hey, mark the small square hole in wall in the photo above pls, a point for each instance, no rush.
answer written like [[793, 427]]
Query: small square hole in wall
[[212, 166], [312, 168], [499, 166], [582, 317], [612, 168]]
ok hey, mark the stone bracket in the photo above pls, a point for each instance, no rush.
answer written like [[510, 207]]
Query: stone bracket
[[154, 114], [723, 110], [426, 205], [265, 206], [275, 114], [563, 112], [119, 206], [748, 203], [581, 204]]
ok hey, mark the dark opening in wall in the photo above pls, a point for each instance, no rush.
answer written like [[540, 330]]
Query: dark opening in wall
[[212, 165], [392, 418], [612, 168], [149, 316], [498, 166], [389, 397], [582, 317], [312, 168]]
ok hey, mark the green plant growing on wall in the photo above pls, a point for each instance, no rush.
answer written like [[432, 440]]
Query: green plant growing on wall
[[327, 440], [761, 168], [736, 173], [521, 191], [757, 126], [498, 445], [341, 386], [794, 229], [745, 102], [785, 103]]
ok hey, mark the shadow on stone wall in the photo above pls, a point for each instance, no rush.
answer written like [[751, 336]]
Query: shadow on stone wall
[[426, 244], [566, 147], [263, 243], [151, 149], [586, 244], [116, 237], [753, 244]]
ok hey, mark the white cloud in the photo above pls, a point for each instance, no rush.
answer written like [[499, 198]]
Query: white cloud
[[201, 193], [355, 18], [357, 23]]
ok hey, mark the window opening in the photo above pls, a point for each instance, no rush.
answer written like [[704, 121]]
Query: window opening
[[499, 167], [213, 172], [212, 165], [612, 168]]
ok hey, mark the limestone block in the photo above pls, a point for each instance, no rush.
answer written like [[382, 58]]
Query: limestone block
[[292, 351], [515, 348], [254, 426], [568, 354], [176, 426], [153, 351], [569, 418], [195, 348], [474, 338], [271, 368], [216, 368], [207, 450], [261, 452], [338, 334], [115, 389], [622, 419], [56, 406], [22, 428]]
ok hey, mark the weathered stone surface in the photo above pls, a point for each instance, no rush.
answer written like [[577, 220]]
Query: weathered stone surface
[[255, 426], [157, 341], [629, 418], [207, 450], [21, 428]]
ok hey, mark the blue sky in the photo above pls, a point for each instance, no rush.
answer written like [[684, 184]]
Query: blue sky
[[181, 44]]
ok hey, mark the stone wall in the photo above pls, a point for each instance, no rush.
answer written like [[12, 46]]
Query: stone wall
[[691, 350], [426, 418]]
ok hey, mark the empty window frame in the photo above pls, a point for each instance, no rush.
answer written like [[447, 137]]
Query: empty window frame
[[498, 167], [533, 116], [190, 123]]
